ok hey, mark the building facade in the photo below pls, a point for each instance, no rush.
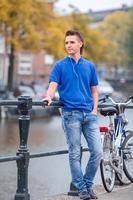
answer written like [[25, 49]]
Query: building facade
[[31, 67]]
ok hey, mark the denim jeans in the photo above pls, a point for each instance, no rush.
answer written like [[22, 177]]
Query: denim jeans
[[74, 124]]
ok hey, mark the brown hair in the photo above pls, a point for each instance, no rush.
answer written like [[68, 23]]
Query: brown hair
[[73, 32]]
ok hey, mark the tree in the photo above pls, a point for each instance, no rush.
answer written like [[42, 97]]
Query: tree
[[32, 25], [23, 24], [115, 28], [95, 45], [54, 41], [129, 40]]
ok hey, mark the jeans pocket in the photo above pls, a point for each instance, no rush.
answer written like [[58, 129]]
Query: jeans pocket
[[66, 115]]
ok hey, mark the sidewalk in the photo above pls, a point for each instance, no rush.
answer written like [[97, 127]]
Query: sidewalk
[[118, 193]]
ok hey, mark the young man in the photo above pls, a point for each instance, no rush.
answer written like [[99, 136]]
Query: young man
[[76, 81]]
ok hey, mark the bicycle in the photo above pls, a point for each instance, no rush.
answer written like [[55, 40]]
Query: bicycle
[[117, 144]]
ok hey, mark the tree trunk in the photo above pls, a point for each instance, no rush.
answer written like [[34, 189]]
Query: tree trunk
[[11, 68]]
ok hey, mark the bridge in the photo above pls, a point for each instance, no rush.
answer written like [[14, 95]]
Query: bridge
[[22, 157]]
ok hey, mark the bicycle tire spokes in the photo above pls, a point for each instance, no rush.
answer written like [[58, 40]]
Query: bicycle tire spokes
[[127, 147], [107, 175], [107, 172]]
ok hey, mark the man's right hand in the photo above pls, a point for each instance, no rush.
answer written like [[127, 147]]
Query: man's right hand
[[47, 99]]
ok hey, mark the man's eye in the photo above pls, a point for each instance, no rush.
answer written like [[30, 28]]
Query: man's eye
[[72, 42]]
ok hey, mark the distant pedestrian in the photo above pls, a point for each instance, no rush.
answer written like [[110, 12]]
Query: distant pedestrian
[[76, 81]]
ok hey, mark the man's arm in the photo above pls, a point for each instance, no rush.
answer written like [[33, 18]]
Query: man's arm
[[51, 92], [95, 99]]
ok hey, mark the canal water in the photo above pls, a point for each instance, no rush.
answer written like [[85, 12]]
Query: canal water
[[47, 175]]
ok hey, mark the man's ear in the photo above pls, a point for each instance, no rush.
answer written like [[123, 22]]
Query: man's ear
[[81, 43]]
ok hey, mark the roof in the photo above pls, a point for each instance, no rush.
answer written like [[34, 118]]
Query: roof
[[100, 15]]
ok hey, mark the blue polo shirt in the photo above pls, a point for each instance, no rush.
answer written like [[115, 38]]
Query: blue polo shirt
[[74, 82]]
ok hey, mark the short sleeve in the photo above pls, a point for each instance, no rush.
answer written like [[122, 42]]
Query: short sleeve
[[55, 74], [94, 79]]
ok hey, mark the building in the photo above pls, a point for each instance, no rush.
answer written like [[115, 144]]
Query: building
[[28, 67], [31, 67], [98, 16]]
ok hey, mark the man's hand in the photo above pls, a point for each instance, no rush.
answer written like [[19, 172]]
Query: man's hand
[[48, 99], [94, 112]]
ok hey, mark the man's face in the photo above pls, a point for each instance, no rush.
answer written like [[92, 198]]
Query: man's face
[[73, 45]]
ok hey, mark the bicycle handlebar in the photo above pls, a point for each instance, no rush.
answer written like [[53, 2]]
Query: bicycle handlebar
[[130, 99], [118, 105]]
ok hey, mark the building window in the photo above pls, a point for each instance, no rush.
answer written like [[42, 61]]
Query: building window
[[48, 59], [25, 64]]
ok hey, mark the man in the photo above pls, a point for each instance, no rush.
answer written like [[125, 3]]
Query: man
[[76, 81]]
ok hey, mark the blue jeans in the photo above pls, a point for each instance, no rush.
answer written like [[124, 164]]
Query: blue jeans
[[74, 123]]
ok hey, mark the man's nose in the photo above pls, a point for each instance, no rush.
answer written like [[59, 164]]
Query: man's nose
[[69, 45]]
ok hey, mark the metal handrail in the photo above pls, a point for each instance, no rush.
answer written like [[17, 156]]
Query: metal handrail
[[24, 105]]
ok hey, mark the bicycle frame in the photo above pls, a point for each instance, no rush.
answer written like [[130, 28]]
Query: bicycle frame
[[117, 133], [117, 126]]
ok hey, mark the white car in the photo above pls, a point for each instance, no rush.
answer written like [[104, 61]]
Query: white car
[[104, 87]]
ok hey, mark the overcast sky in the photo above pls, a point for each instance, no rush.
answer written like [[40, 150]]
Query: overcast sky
[[85, 5]]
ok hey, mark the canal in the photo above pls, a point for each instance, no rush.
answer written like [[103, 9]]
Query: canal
[[47, 175]]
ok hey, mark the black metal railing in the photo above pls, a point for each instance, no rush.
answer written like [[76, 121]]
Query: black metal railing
[[24, 104]]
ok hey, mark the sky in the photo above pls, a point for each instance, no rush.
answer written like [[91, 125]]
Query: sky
[[95, 5]]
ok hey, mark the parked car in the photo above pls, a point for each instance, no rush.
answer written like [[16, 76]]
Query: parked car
[[24, 90], [36, 92], [105, 87], [39, 90]]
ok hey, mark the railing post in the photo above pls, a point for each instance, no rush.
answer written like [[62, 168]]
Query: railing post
[[24, 106]]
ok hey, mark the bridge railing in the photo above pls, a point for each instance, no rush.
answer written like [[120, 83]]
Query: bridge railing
[[24, 104]]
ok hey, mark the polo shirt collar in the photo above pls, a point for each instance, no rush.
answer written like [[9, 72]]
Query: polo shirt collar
[[80, 59]]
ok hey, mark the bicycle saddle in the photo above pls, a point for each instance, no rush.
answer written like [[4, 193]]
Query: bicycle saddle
[[108, 111]]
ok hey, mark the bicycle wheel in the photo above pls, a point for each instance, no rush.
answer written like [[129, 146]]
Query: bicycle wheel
[[127, 147], [107, 172], [122, 178]]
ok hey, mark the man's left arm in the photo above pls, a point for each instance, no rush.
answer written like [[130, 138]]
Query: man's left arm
[[94, 92]]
